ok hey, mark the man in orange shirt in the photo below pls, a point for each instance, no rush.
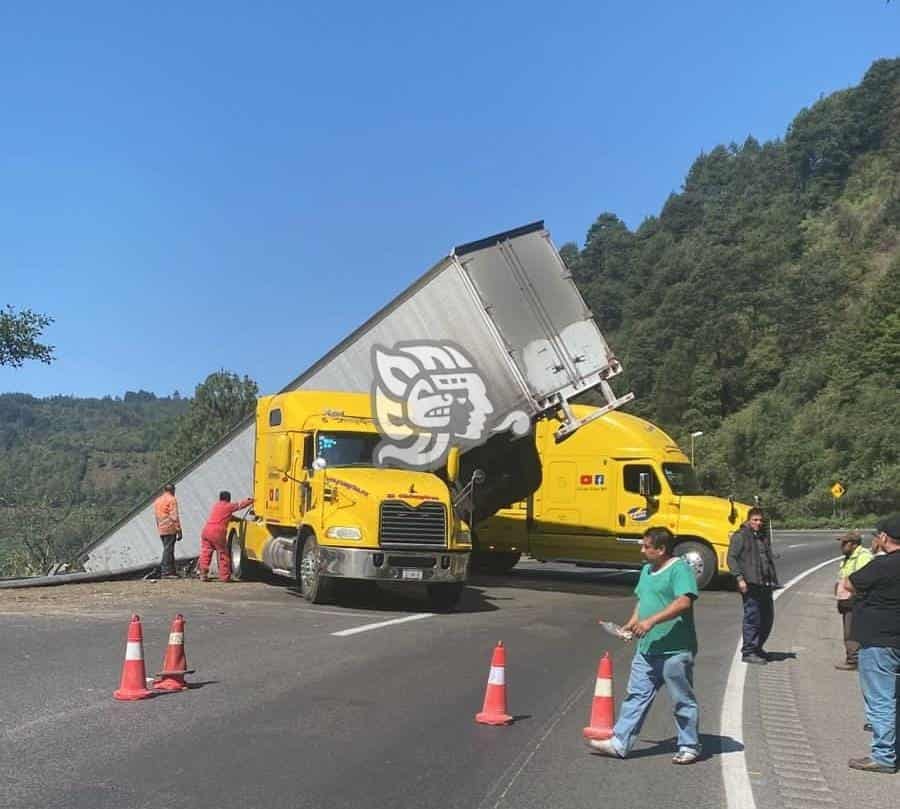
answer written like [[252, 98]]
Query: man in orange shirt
[[169, 527], [213, 536]]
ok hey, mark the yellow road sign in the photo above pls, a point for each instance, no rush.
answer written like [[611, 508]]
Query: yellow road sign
[[837, 491]]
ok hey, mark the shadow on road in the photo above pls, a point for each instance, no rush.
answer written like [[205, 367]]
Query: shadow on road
[[713, 745], [480, 593], [363, 596], [586, 581], [779, 657], [201, 683]]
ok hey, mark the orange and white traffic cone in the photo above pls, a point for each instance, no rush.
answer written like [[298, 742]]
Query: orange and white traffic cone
[[171, 678], [494, 710], [133, 684], [602, 708]]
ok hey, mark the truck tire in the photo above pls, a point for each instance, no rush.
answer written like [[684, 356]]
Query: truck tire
[[242, 568], [493, 563], [702, 560], [497, 563], [444, 597], [313, 586]]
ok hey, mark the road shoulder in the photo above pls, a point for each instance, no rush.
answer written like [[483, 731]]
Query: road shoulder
[[802, 717]]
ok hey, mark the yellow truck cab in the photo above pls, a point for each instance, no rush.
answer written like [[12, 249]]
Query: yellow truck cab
[[601, 489], [323, 511]]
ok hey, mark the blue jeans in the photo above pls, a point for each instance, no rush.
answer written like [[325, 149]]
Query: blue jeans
[[879, 667], [759, 615], [648, 674]]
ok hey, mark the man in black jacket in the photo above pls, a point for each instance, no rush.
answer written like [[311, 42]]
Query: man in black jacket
[[876, 625], [751, 562]]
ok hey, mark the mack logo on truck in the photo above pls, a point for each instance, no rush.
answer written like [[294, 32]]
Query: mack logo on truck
[[428, 397]]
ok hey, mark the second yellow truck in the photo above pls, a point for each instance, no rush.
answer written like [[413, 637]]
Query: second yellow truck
[[601, 489]]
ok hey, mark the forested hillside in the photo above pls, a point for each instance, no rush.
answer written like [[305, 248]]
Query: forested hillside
[[762, 306], [69, 467]]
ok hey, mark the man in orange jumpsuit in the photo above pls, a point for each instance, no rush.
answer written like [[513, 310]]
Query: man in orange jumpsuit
[[169, 527], [213, 536]]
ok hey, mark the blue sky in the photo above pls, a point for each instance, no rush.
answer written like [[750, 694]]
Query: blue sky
[[239, 185]]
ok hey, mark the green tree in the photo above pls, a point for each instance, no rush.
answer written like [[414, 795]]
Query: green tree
[[69, 467], [221, 402], [673, 381], [19, 333], [761, 306]]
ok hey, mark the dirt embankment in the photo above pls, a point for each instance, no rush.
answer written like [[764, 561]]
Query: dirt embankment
[[136, 596]]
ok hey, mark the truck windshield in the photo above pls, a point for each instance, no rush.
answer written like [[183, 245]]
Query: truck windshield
[[682, 479], [347, 449]]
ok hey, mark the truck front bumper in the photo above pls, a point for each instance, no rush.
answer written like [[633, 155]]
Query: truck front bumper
[[384, 565]]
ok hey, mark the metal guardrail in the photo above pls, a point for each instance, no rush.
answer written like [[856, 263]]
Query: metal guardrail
[[77, 578]]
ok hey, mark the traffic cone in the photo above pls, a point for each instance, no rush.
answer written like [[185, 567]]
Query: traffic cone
[[494, 710], [133, 684], [171, 678], [602, 708]]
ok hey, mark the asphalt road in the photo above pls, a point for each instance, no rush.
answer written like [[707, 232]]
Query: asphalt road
[[284, 713]]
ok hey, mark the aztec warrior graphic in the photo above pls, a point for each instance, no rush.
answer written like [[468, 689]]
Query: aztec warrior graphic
[[428, 397]]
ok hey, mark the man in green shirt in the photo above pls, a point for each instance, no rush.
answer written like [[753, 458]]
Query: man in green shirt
[[663, 621]]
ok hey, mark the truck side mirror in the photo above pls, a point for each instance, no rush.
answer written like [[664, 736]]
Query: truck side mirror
[[318, 465], [453, 464]]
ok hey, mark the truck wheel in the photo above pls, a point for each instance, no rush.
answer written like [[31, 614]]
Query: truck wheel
[[314, 587], [242, 568], [444, 597], [499, 563], [702, 560], [494, 563]]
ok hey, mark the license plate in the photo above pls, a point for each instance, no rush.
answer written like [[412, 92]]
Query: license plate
[[415, 575]]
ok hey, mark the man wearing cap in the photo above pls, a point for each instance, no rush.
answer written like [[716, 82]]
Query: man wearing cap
[[855, 558], [876, 626]]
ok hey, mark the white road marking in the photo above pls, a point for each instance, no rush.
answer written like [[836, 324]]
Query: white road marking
[[799, 545], [512, 773], [343, 614], [367, 627], [54, 717], [738, 791]]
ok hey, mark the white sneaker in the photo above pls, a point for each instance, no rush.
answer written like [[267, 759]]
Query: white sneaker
[[687, 755], [604, 747]]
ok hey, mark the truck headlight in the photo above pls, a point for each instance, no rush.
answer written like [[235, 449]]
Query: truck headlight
[[463, 536], [343, 532]]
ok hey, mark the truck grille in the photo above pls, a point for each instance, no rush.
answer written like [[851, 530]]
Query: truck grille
[[404, 526]]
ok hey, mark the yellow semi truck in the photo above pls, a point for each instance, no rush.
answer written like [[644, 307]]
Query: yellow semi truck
[[601, 488], [324, 512]]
